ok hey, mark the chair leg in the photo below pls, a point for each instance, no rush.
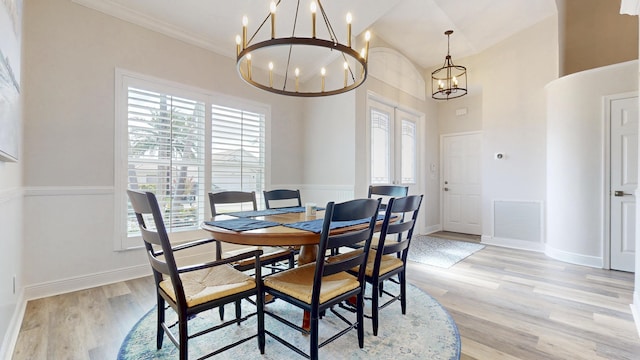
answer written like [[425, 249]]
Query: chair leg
[[238, 310], [183, 340], [313, 328], [403, 292], [374, 305], [261, 333], [360, 319], [221, 311], [160, 331]]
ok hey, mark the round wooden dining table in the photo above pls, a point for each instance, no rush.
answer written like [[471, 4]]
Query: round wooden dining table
[[273, 236]]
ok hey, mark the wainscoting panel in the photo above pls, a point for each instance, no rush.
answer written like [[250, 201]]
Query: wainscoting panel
[[518, 220], [517, 224]]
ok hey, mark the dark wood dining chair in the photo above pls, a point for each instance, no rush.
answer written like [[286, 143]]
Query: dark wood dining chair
[[274, 198], [390, 256], [192, 289], [272, 255], [326, 283]]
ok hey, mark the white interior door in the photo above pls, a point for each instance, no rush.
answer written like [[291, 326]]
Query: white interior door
[[624, 181], [461, 183], [394, 139]]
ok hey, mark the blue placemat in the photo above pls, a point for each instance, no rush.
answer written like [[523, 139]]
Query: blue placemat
[[242, 224], [315, 226], [296, 209], [246, 214]]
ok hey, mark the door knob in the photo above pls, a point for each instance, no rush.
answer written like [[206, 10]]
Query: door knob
[[620, 193]]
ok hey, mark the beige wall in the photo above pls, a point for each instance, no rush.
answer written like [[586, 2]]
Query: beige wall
[[592, 33], [70, 55]]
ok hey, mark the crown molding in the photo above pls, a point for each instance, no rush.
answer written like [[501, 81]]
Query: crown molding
[[121, 12]]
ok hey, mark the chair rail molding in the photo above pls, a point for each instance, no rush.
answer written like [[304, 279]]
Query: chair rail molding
[[67, 190]]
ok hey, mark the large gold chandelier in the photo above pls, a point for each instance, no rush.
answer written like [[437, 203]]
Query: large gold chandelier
[[333, 78]]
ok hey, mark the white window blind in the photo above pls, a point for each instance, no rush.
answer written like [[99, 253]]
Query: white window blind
[[166, 143], [237, 151]]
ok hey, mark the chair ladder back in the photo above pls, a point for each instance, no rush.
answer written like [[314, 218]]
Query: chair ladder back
[[145, 203], [348, 211], [281, 194], [231, 197], [402, 229]]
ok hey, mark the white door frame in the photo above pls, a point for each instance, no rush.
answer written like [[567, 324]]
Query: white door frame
[[441, 184], [606, 196]]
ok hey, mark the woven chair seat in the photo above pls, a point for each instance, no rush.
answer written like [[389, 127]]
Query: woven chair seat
[[268, 253], [208, 284], [387, 262], [298, 282]]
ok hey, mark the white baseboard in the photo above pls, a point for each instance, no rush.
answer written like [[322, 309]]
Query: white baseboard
[[433, 228], [573, 258], [635, 309], [85, 281], [11, 336], [512, 243]]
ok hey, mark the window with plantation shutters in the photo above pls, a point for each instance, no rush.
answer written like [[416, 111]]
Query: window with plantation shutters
[[182, 143], [166, 138]]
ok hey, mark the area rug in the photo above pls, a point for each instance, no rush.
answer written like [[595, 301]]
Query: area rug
[[427, 331], [440, 252]]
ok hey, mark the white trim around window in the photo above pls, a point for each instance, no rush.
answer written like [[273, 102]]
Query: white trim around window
[[125, 79]]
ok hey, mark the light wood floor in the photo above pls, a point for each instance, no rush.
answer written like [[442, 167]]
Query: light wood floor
[[508, 304]]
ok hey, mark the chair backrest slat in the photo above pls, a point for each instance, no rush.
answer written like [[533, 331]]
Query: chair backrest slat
[[151, 236], [388, 190]]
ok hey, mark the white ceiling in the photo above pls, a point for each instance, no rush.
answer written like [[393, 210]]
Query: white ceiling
[[413, 27]]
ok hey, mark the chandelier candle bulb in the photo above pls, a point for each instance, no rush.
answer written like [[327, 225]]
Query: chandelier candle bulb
[[349, 19], [346, 71], [238, 45], [323, 72], [245, 22], [313, 19], [270, 74], [367, 37], [273, 19], [297, 79], [249, 66]]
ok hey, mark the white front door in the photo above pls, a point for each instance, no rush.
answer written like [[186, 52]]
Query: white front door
[[461, 183], [394, 141], [624, 181]]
